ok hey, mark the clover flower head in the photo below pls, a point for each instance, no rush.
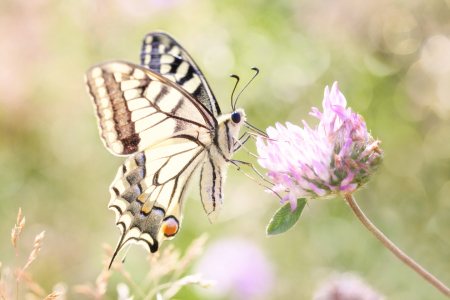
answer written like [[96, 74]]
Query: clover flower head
[[336, 158]]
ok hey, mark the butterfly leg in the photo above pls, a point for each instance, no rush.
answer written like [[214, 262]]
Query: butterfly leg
[[242, 140], [254, 169], [235, 163], [241, 144]]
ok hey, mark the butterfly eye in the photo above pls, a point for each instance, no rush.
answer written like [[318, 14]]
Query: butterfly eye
[[236, 117]]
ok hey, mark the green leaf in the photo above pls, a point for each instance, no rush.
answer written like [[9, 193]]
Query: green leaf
[[284, 219]]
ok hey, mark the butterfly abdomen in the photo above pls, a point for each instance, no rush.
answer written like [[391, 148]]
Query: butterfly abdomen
[[212, 179]]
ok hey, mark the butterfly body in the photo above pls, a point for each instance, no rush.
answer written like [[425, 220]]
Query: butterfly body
[[213, 170], [164, 117]]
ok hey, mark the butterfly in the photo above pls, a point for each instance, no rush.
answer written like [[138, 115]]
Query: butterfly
[[163, 115]]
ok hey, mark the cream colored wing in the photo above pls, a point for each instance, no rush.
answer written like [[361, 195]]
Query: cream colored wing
[[147, 194], [137, 107]]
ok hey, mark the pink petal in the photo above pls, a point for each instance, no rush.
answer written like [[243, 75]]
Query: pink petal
[[316, 113], [349, 188], [293, 201], [333, 188], [272, 133], [344, 149], [341, 112], [317, 190], [348, 179], [321, 171], [369, 149], [284, 199]]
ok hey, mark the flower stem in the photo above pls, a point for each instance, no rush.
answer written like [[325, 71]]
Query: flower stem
[[397, 252]]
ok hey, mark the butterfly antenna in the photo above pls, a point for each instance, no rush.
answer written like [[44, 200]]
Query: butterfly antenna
[[232, 93], [257, 72]]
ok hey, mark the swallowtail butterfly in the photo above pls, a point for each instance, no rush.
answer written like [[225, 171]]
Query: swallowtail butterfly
[[164, 117]]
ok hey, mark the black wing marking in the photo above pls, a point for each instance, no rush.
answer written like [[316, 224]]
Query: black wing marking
[[161, 53]]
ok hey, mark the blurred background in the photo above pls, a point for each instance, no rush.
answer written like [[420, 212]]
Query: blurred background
[[392, 62]]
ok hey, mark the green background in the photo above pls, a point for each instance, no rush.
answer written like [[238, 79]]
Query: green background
[[392, 62]]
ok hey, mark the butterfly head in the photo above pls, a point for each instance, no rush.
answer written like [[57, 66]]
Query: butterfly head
[[228, 130], [237, 119]]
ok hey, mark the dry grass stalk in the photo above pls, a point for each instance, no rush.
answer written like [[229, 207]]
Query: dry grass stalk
[[99, 290], [15, 235], [161, 265], [32, 285], [7, 283], [187, 280], [19, 216], [7, 293], [101, 282], [119, 267], [86, 290], [167, 262], [35, 251], [53, 295], [194, 250]]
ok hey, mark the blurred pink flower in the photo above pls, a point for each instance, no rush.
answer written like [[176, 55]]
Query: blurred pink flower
[[240, 268], [346, 286], [336, 158]]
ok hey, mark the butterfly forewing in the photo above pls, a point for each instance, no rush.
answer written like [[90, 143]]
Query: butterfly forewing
[[136, 107], [162, 54]]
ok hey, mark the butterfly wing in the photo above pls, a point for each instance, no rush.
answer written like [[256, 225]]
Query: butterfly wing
[[147, 194], [136, 107], [162, 54], [165, 130]]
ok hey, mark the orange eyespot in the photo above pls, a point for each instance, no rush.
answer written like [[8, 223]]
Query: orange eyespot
[[170, 227]]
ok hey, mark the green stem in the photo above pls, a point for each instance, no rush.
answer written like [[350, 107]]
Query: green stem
[[397, 252]]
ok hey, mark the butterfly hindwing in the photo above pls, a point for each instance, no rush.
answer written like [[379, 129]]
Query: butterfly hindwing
[[137, 107], [147, 194], [162, 54]]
